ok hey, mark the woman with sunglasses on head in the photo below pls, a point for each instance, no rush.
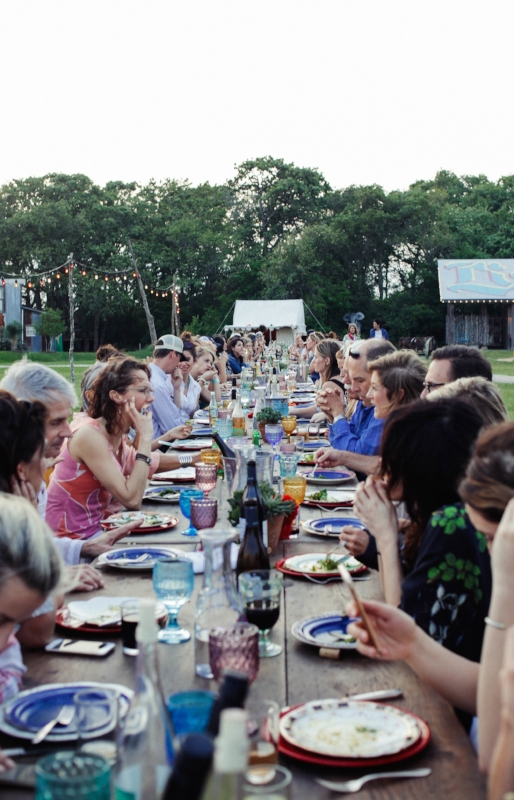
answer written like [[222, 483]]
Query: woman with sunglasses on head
[[199, 375], [325, 363]]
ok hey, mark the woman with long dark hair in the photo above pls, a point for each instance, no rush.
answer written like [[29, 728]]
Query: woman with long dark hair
[[235, 350], [325, 364]]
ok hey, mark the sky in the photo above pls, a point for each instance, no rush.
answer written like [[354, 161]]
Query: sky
[[366, 91]]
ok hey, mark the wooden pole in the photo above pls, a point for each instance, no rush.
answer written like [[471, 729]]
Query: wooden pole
[[149, 317], [71, 299]]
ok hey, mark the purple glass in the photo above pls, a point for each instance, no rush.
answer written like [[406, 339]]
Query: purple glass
[[204, 513], [274, 434], [234, 647], [206, 477]]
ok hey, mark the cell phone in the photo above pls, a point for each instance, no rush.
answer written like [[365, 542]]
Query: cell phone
[[78, 647], [347, 578], [22, 776]]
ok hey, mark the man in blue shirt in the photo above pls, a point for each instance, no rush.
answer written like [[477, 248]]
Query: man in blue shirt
[[355, 443], [166, 405]]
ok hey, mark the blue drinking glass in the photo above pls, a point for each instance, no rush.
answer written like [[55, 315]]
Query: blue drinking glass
[[173, 583], [186, 495], [274, 434]]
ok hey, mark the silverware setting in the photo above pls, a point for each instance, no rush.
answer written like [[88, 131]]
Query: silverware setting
[[357, 783], [64, 717]]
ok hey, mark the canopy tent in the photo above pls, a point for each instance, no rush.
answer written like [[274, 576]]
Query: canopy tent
[[285, 316]]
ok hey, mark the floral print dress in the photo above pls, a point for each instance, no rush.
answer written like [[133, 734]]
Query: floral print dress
[[449, 588]]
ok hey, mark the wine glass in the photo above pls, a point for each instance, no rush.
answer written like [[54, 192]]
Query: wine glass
[[288, 426], [186, 495], [173, 583], [206, 477], [273, 435], [260, 591]]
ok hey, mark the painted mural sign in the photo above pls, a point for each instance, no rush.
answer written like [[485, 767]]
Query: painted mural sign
[[481, 279]]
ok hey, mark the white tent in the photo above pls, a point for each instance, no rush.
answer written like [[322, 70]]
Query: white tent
[[285, 316]]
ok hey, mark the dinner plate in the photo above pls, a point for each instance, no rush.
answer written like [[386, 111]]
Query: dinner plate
[[349, 728], [203, 431], [179, 475], [151, 523], [65, 620], [306, 563], [313, 444], [335, 498], [329, 477], [126, 557], [26, 713], [191, 444], [296, 573], [153, 493], [318, 526], [325, 630]]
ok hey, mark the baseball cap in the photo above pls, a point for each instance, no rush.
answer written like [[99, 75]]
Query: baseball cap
[[169, 342]]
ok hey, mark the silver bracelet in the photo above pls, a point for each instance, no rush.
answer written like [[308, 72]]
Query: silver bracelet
[[492, 622], [185, 460]]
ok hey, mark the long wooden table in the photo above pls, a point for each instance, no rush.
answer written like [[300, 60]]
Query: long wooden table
[[298, 675]]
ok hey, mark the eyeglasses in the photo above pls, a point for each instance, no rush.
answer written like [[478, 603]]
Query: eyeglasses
[[354, 354], [430, 386], [147, 392]]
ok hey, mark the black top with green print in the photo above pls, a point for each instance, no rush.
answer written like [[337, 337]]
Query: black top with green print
[[449, 588]]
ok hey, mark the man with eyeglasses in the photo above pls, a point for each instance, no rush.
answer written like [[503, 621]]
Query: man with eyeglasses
[[166, 383], [355, 443], [455, 361]]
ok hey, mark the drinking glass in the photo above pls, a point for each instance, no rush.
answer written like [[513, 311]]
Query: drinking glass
[[277, 786], [229, 468], [264, 466], [211, 457], [263, 733], [288, 425], [83, 776], [224, 427], [206, 477], [186, 495], [273, 435], [204, 513], [288, 463], [97, 710], [129, 621], [190, 711], [296, 488], [245, 398], [260, 591], [234, 647], [173, 583]]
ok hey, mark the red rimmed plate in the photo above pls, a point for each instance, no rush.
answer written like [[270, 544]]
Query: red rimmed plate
[[168, 521], [321, 575], [290, 750], [62, 620], [325, 504]]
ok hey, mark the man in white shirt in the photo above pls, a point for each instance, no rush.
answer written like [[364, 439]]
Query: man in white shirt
[[166, 379]]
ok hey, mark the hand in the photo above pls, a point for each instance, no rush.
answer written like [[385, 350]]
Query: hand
[[24, 489], [329, 457], [179, 432], [142, 423], [223, 357], [52, 462], [395, 631], [84, 578], [502, 556], [176, 379], [331, 402], [319, 416], [5, 762], [209, 375], [355, 539], [101, 544], [373, 506]]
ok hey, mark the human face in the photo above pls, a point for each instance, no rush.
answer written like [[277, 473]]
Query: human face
[[56, 426], [238, 348], [439, 373], [320, 363], [376, 326], [482, 524], [34, 470], [203, 364], [310, 344], [378, 396], [342, 370], [185, 366], [140, 389], [352, 329], [17, 603], [360, 379]]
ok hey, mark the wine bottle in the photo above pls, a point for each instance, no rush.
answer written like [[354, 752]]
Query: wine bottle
[[146, 750], [252, 552], [232, 694], [213, 411], [226, 451], [238, 419], [230, 757], [192, 765], [252, 493], [233, 401]]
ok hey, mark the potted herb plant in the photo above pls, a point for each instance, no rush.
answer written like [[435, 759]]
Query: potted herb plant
[[268, 416], [277, 509]]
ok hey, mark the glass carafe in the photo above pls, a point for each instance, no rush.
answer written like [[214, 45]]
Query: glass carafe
[[218, 601], [260, 402], [244, 453]]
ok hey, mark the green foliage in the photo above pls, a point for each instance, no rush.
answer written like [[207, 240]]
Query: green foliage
[[269, 415], [50, 323]]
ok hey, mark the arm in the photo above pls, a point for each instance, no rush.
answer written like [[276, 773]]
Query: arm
[[177, 380], [178, 432], [164, 411], [38, 630], [366, 443], [330, 457], [501, 778]]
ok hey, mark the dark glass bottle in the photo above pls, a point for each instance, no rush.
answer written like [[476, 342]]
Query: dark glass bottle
[[252, 552], [192, 765], [232, 694], [252, 493], [226, 451]]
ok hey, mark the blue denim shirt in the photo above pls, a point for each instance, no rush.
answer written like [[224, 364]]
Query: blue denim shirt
[[362, 434]]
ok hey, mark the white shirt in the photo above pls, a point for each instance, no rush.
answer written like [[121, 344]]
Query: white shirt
[[189, 401], [379, 334]]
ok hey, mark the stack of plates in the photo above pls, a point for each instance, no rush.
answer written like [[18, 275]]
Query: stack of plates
[[325, 630], [25, 714], [330, 526], [192, 444], [308, 565], [351, 733]]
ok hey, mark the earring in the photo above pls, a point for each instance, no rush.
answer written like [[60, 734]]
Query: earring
[[119, 409]]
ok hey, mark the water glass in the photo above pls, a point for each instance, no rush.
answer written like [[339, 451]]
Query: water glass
[[263, 732], [273, 434], [260, 591], [206, 477], [173, 583], [211, 457], [288, 463], [190, 711], [225, 427], [234, 647], [229, 468], [97, 717], [82, 776], [186, 495], [204, 513], [129, 621], [264, 466], [278, 787]]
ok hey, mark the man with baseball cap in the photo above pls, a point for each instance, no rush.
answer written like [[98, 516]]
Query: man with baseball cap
[[167, 395]]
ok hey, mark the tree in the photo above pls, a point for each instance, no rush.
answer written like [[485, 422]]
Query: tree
[[50, 323]]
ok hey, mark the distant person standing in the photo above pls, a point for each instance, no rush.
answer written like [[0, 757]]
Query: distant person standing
[[352, 335], [377, 331]]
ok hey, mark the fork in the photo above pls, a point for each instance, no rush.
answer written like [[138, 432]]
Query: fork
[[356, 784], [64, 717]]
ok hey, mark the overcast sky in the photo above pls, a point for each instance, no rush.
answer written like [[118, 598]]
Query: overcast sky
[[367, 91]]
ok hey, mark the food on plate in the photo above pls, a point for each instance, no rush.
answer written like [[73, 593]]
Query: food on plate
[[327, 564], [149, 520], [321, 495], [164, 493], [308, 457]]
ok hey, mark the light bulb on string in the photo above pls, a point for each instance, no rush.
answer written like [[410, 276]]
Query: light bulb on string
[[106, 278], [29, 285], [83, 272], [146, 287], [58, 276], [96, 277], [66, 270], [124, 277]]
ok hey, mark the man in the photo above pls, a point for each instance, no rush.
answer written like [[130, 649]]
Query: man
[[355, 443], [165, 407], [455, 361]]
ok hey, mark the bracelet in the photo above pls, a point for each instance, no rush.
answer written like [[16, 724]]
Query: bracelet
[[492, 622], [142, 457], [215, 380], [202, 380], [184, 460]]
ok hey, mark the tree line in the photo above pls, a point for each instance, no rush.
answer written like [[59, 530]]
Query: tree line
[[273, 231]]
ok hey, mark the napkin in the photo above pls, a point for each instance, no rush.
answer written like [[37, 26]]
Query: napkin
[[198, 558], [181, 472]]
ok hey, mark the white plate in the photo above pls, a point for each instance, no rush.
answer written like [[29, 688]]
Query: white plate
[[307, 563], [179, 474], [334, 496], [303, 631], [192, 444], [119, 558], [150, 520], [349, 728], [169, 498], [99, 610]]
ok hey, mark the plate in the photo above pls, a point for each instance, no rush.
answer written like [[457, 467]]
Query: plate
[[179, 475], [188, 444], [324, 631], [280, 565], [153, 493], [151, 522], [329, 477], [26, 713], [123, 557], [314, 444], [336, 498], [204, 431], [317, 526], [65, 620], [306, 564], [349, 728]]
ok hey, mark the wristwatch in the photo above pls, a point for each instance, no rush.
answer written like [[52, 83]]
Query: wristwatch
[[142, 457]]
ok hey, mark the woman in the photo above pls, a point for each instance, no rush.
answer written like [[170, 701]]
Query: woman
[[377, 331], [30, 571], [235, 349], [221, 358], [352, 335], [441, 576], [22, 443], [325, 363], [205, 373], [312, 340], [481, 393], [396, 380]]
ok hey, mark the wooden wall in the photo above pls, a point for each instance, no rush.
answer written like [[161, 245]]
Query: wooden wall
[[484, 324]]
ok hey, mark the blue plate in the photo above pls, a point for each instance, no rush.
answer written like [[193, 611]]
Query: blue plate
[[200, 432], [337, 523], [323, 631], [328, 476], [135, 552], [315, 445]]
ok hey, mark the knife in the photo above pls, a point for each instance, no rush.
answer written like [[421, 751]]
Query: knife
[[381, 694]]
